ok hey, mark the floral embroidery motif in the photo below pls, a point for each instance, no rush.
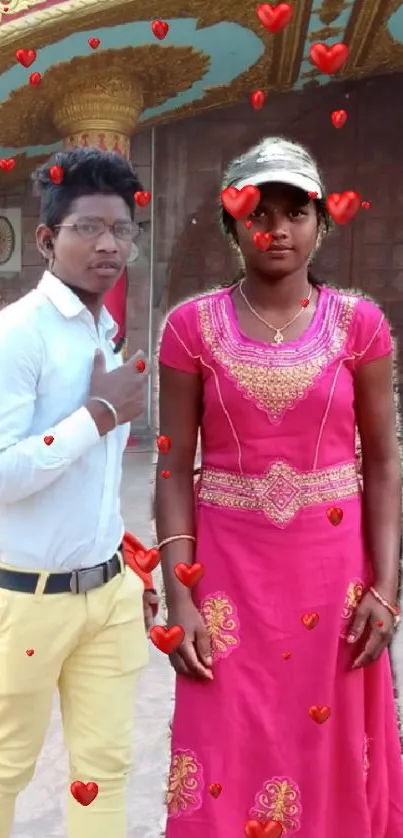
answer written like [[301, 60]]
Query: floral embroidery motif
[[275, 378], [185, 784], [222, 624], [280, 801], [353, 596], [365, 756], [280, 493]]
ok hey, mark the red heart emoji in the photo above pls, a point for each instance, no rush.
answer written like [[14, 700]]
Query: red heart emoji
[[343, 206], [142, 199], [339, 118], [312, 195], [215, 789], [167, 640], [148, 560], [165, 473], [263, 241], [379, 623], [329, 59], [189, 575], [48, 440], [366, 205], [56, 174], [140, 365], [310, 620], [163, 444], [7, 165], [26, 57], [30, 652], [94, 43], [35, 79], [286, 655], [240, 202], [84, 793], [274, 19], [160, 29], [305, 302], [335, 515], [319, 714], [271, 829], [258, 99], [247, 224]]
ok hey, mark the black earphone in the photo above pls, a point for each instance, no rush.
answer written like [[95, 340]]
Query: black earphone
[[48, 244]]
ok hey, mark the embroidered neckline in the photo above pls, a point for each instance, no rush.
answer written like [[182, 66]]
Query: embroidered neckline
[[276, 378], [292, 344]]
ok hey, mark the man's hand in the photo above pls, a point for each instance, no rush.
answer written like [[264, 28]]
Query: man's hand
[[124, 387], [150, 606]]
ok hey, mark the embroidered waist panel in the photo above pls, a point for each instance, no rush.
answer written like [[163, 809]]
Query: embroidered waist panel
[[280, 493]]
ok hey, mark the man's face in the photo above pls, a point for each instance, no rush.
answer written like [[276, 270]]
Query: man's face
[[91, 247]]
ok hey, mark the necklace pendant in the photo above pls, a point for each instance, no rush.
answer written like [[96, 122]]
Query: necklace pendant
[[278, 337]]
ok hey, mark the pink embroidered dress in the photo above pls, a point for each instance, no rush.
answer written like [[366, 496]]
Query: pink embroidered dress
[[286, 728]]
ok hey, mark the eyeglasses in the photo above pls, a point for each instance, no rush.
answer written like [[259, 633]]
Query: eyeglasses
[[92, 228]]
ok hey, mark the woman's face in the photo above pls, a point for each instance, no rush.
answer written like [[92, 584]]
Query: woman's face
[[291, 218]]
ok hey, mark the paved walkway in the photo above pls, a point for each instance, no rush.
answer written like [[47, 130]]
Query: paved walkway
[[40, 809]]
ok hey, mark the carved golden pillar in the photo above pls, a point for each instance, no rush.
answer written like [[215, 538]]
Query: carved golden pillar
[[103, 113]]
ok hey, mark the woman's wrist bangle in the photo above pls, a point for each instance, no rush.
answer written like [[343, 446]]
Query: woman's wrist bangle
[[393, 609], [175, 538], [109, 406]]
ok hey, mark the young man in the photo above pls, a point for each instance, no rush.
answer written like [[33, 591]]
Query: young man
[[70, 616]]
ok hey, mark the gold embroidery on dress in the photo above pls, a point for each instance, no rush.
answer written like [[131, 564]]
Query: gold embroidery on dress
[[280, 493], [365, 756], [353, 596], [275, 379], [280, 801], [222, 624], [185, 784]]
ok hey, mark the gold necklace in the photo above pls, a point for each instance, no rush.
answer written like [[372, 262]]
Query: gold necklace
[[278, 337]]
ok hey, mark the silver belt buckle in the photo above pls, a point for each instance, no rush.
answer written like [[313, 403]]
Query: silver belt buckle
[[86, 579]]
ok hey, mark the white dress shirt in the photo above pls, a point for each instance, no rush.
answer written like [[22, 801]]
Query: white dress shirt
[[59, 503]]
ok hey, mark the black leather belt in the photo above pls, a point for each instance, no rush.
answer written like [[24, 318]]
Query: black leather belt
[[75, 582]]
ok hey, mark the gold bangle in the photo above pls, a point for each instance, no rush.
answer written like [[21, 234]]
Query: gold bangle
[[393, 609], [175, 538]]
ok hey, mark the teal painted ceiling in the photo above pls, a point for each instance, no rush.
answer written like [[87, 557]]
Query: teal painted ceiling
[[235, 48]]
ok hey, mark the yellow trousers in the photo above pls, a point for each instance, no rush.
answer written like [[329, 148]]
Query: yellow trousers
[[91, 646]]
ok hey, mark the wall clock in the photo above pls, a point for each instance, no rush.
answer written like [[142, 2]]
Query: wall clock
[[7, 240]]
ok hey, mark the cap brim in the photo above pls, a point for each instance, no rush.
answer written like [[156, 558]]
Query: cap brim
[[290, 178]]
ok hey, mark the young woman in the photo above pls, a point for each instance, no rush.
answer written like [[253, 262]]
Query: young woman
[[285, 720]]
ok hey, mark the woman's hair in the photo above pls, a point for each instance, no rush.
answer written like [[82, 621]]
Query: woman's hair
[[294, 158], [86, 171]]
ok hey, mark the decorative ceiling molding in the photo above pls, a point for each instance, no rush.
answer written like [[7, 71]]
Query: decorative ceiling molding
[[372, 48], [27, 117]]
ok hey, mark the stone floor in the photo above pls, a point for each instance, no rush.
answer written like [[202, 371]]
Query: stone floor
[[43, 802]]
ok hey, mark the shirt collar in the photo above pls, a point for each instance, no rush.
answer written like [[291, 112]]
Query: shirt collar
[[69, 305]]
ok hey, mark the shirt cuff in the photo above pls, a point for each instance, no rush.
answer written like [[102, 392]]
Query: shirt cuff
[[76, 434]]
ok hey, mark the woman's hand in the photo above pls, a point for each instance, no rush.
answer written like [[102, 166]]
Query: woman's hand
[[193, 657], [371, 615]]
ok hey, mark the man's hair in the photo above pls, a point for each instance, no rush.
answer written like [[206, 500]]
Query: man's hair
[[86, 171]]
